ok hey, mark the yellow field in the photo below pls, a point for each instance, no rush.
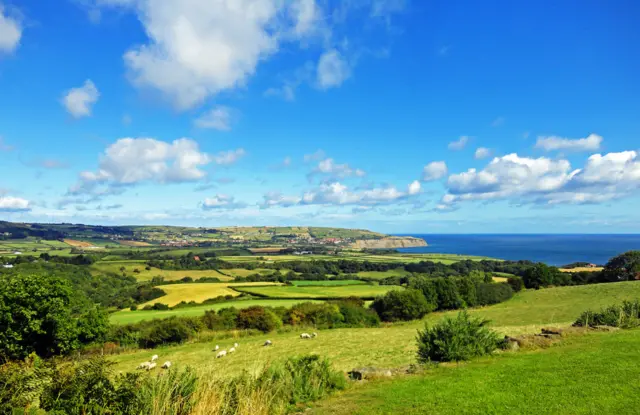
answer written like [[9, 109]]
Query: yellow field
[[198, 292], [581, 269], [266, 250], [146, 275], [241, 272], [77, 244], [134, 243]]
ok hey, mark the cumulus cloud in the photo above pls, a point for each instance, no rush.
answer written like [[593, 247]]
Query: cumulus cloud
[[551, 143], [331, 168], [482, 153], [221, 201], [543, 180], [414, 187], [218, 118], [14, 204], [10, 32], [434, 171], [459, 144], [277, 199], [79, 101], [332, 69]]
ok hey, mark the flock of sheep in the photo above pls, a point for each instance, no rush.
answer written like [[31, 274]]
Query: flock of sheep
[[221, 353]]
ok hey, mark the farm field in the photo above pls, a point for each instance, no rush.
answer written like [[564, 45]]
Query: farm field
[[355, 256], [332, 291], [31, 246], [128, 317], [326, 283], [595, 373], [394, 345], [398, 272], [582, 269], [147, 275], [198, 292], [241, 272]]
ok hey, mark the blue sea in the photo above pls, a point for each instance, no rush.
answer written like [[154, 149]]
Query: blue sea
[[550, 249]]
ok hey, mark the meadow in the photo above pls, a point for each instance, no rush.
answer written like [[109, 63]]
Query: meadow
[[326, 283], [201, 291], [391, 345], [130, 267], [320, 291]]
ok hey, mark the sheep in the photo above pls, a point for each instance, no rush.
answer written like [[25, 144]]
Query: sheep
[[221, 353], [151, 366], [233, 349], [154, 357], [166, 365], [144, 365], [305, 336], [235, 344], [267, 343], [314, 334], [215, 349]]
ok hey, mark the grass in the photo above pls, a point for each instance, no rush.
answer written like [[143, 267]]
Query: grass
[[146, 275], [394, 345], [327, 283], [128, 317], [356, 256], [397, 272], [241, 272], [332, 291], [198, 292], [596, 373]]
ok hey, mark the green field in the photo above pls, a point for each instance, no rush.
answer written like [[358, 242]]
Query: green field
[[397, 272], [127, 316], [32, 246], [327, 283], [596, 373], [199, 292], [355, 256], [146, 275], [394, 345], [331, 291], [241, 272]]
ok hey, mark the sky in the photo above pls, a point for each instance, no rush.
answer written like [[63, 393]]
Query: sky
[[397, 116]]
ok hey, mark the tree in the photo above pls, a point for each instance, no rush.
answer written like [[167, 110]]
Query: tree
[[402, 305], [539, 276], [625, 267]]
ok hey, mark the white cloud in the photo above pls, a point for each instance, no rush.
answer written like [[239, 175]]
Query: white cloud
[[10, 32], [482, 153], [134, 160], [434, 171], [79, 101], [218, 118], [330, 167], [221, 201], [459, 144], [414, 187], [551, 143], [332, 69], [14, 204], [229, 157], [277, 199]]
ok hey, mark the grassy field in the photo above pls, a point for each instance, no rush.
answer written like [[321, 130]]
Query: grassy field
[[127, 316], [327, 283], [582, 269], [596, 373], [398, 272], [394, 345], [199, 292], [321, 291], [241, 272], [147, 275], [356, 256]]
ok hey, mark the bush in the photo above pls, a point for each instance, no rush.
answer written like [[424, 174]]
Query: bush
[[225, 319], [357, 316], [516, 283], [625, 315], [133, 307], [456, 339], [316, 314], [402, 305], [448, 295], [258, 318], [625, 267], [493, 293], [170, 330]]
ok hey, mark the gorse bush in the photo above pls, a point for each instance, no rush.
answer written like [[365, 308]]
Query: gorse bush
[[625, 315], [455, 339]]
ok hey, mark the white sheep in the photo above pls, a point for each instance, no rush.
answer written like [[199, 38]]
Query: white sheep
[[221, 353], [235, 344], [267, 343], [166, 365], [314, 334], [233, 349], [305, 336], [154, 357], [215, 349], [151, 366], [144, 365]]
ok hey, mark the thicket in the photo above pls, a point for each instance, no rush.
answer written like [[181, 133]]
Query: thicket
[[624, 315]]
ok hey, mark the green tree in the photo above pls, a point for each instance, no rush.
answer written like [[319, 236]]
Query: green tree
[[541, 275], [402, 305], [625, 267]]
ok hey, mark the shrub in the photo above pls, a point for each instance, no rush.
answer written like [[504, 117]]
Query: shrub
[[225, 319], [401, 305], [448, 295], [493, 293], [316, 314], [159, 306], [625, 315], [258, 318], [456, 339], [516, 283], [170, 330], [357, 316], [133, 307]]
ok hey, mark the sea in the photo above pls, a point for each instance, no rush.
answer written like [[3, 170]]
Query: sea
[[551, 249]]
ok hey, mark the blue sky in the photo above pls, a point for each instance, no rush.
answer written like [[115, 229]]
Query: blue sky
[[397, 116]]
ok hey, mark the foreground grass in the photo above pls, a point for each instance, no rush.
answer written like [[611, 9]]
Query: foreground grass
[[393, 345], [128, 317], [596, 373], [319, 291]]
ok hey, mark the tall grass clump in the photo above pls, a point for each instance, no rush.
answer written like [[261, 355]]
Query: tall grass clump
[[625, 315], [455, 339]]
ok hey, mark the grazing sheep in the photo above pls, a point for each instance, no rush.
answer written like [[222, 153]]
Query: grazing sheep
[[305, 336], [235, 344], [144, 365], [221, 353], [215, 349], [314, 334], [233, 349], [154, 357], [151, 366], [166, 365], [267, 343]]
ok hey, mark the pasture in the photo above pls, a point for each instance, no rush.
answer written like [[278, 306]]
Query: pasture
[[130, 267], [320, 291], [326, 283], [128, 317], [198, 292], [393, 345], [356, 256]]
